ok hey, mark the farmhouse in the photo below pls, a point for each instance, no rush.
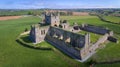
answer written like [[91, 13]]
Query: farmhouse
[[66, 38]]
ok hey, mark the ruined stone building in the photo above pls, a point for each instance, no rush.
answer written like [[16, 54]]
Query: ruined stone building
[[65, 37]]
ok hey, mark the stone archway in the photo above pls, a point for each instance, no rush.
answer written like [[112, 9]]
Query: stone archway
[[55, 25]]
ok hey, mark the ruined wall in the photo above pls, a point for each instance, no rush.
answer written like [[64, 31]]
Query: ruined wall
[[67, 41], [55, 21], [94, 29], [74, 39], [52, 19], [47, 19], [63, 46], [92, 48], [38, 33], [32, 35]]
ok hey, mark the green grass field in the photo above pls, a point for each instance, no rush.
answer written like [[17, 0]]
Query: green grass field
[[112, 19], [15, 55], [93, 37]]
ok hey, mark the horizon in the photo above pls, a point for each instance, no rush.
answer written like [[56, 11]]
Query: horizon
[[62, 4], [54, 8]]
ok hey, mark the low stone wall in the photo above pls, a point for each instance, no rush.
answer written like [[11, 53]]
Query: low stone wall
[[100, 41], [30, 45], [25, 33]]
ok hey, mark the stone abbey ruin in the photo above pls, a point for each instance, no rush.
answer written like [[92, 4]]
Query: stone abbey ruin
[[66, 38]]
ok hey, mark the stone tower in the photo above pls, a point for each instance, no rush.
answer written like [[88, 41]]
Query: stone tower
[[37, 33], [34, 33], [52, 18]]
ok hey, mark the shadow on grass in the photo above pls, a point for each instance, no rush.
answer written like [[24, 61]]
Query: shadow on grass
[[24, 41]]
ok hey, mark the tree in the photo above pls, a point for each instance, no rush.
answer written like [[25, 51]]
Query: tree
[[26, 29], [30, 13]]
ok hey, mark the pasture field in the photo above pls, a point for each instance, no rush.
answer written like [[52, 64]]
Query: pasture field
[[10, 17], [112, 19], [15, 55]]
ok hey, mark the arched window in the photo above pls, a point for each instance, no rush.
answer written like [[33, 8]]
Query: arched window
[[61, 37], [68, 40], [44, 31]]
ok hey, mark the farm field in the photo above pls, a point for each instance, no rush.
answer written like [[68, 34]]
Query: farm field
[[10, 17], [15, 55], [112, 19]]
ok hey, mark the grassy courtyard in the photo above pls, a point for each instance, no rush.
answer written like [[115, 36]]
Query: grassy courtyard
[[15, 55], [93, 37]]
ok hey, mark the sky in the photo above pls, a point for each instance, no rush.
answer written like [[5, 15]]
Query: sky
[[58, 4]]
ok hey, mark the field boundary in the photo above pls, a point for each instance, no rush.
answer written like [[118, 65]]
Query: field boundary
[[107, 21]]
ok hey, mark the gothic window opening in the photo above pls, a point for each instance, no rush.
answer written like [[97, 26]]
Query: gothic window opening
[[41, 32], [61, 37], [55, 25], [64, 26], [44, 31], [68, 40]]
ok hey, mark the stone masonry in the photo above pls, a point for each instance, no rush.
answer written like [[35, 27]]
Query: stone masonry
[[65, 38]]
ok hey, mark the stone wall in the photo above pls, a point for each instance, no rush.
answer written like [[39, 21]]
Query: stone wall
[[63, 46], [52, 19], [94, 29], [74, 39], [92, 48], [37, 33]]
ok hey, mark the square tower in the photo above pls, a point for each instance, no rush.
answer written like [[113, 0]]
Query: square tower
[[52, 18]]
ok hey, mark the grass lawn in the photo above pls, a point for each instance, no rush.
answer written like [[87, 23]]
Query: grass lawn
[[113, 19], [15, 55], [93, 37]]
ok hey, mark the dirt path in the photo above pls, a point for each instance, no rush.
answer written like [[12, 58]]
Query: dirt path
[[10, 17]]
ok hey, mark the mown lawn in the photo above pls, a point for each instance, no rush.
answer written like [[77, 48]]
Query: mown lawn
[[12, 54], [93, 37], [15, 55]]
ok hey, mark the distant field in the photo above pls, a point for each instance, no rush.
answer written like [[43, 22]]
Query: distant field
[[80, 13], [15, 55], [10, 17], [112, 19], [76, 17]]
